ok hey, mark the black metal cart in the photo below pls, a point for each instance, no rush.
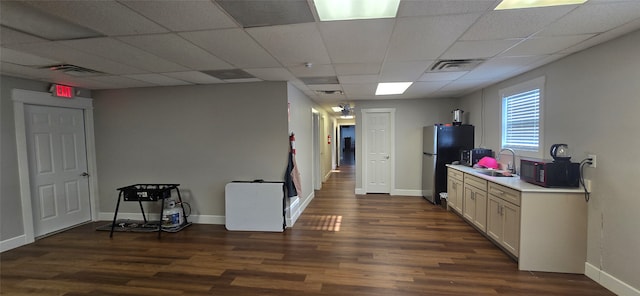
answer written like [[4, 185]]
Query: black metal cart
[[147, 192]]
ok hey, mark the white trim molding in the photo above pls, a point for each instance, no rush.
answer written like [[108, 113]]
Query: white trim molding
[[26, 97], [608, 281], [13, 243]]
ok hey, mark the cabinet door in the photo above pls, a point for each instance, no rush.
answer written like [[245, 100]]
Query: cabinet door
[[494, 219], [480, 213], [469, 209], [459, 196], [511, 228], [451, 188]]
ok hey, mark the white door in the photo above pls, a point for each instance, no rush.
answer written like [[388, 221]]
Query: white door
[[378, 146], [57, 164]]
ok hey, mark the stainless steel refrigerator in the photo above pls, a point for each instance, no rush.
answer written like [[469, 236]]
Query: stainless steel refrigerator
[[442, 145]]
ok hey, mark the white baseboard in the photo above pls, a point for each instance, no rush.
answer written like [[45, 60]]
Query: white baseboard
[[13, 243], [292, 212], [326, 177], [406, 192], [610, 282], [198, 219]]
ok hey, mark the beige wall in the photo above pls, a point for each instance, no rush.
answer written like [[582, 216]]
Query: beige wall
[[591, 102], [201, 137], [411, 116]]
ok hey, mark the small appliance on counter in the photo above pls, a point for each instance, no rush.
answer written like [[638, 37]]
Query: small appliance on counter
[[471, 157], [560, 172]]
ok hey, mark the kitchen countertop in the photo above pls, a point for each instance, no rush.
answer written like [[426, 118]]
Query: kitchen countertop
[[514, 182]]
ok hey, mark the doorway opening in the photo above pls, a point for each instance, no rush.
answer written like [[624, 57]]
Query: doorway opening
[[348, 144]]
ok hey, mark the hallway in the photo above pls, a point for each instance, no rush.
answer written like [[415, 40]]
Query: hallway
[[343, 244]]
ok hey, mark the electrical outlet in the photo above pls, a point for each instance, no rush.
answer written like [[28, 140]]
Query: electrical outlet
[[587, 184], [593, 160]]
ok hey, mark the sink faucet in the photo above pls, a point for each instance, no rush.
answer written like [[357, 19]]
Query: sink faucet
[[511, 166]]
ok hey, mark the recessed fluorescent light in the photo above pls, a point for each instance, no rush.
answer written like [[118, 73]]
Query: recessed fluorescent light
[[335, 10], [516, 4], [392, 88], [336, 109]]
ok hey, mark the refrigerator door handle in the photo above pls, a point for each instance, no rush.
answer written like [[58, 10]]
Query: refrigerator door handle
[[428, 154]]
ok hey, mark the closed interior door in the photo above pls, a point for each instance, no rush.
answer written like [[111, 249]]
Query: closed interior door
[[378, 152], [58, 167]]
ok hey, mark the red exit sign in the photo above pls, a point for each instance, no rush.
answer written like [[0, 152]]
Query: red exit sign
[[62, 91]]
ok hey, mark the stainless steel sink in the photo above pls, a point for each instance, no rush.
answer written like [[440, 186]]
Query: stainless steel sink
[[493, 173]]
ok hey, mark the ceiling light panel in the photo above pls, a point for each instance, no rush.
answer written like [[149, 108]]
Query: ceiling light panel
[[518, 4], [268, 12], [392, 88], [335, 10], [229, 74], [443, 7]]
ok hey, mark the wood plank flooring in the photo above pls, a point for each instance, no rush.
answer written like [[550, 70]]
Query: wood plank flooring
[[342, 244]]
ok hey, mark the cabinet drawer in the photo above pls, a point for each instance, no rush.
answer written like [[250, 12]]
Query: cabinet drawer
[[506, 193], [453, 173], [475, 182]]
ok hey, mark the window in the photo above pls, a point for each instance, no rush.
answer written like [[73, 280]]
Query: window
[[521, 117]]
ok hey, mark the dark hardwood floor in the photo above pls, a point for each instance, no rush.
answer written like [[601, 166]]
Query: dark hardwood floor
[[342, 244]]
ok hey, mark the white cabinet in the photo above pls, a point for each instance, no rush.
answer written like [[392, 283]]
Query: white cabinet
[[475, 201], [455, 190], [503, 218]]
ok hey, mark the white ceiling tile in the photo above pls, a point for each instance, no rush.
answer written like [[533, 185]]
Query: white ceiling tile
[[545, 45], [426, 38], [106, 16], [24, 59], [441, 76], [195, 77], [478, 49], [442, 7], [121, 52], [603, 37], [421, 89], [271, 74], [499, 68], [403, 71], [357, 79], [68, 55], [360, 41], [292, 44], [364, 89], [10, 36], [514, 23], [313, 71], [357, 69], [594, 19], [24, 71], [157, 79], [183, 15], [234, 46], [121, 81], [175, 48]]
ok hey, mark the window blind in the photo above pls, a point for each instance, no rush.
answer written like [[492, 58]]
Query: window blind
[[522, 121]]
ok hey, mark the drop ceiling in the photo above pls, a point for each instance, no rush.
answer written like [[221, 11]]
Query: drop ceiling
[[183, 42]]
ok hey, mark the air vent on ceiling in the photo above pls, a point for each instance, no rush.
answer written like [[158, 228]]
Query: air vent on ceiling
[[330, 92], [73, 70], [229, 74], [455, 65]]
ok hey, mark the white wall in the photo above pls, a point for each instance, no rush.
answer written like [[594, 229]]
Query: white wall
[[201, 137], [592, 100], [411, 116]]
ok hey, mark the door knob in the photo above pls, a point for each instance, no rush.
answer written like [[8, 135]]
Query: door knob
[[84, 174], [386, 157]]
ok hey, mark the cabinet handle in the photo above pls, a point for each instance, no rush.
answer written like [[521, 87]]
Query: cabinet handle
[[500, 192], [500, 209]]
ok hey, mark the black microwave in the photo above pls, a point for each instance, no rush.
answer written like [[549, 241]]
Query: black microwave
[[549, 173]]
